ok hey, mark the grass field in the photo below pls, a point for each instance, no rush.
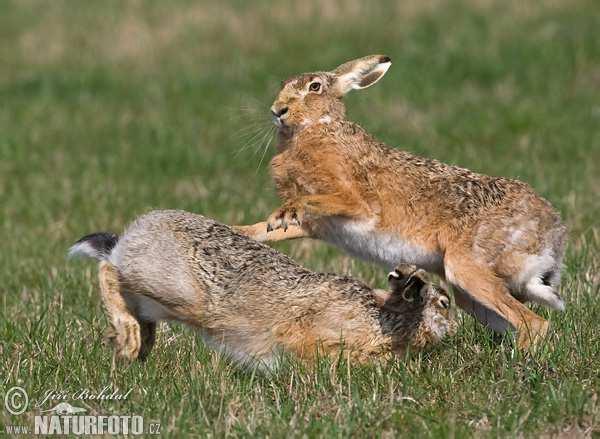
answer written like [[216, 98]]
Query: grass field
[[111, 108]]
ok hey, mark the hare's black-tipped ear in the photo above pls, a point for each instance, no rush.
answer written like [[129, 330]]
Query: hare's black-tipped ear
[[360, 73], [407, 281], [413, 287], [400, 276], [394, 276]]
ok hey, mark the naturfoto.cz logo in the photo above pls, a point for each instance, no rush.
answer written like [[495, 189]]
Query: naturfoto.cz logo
[[66, 419]]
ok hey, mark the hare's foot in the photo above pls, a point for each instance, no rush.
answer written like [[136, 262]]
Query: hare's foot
[[284, 217], [125, 333], [532, 332], [259, 232], [133, 340], [126, 340]]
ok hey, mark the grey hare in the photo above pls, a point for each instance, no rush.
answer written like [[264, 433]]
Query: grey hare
[[249, 300]]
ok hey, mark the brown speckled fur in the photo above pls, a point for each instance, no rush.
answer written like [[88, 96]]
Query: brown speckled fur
[[493, 238]]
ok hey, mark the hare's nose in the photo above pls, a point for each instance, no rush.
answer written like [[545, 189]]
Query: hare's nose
[[280, 112]]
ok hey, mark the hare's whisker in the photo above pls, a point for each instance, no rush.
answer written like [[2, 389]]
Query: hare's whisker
[[252, 139], [243, 132], [266, 149], [259, 145]]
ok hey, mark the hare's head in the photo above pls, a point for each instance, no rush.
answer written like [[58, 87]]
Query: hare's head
[[312, 98], [412, 294]]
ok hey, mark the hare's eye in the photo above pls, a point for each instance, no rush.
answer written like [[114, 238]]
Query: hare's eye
[[444, 302], [314, 86]]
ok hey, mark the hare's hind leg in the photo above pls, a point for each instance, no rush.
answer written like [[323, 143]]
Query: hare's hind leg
[[132, 339], [485, 296]]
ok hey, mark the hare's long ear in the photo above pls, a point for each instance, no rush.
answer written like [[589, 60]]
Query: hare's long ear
[[360, 73]]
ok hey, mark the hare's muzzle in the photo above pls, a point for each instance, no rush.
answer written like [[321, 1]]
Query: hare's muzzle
[[279, 115]]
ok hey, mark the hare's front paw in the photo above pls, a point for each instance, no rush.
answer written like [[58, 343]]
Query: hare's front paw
[[284, 217]]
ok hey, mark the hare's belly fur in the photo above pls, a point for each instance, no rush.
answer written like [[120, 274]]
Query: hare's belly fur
[[363, 240]]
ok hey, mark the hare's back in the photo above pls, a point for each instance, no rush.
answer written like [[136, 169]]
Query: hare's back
[[181, 252]]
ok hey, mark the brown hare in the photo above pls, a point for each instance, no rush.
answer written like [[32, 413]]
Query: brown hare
[[247, 299], [492, 238]]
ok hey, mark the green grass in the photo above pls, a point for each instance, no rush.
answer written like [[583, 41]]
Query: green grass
[[109, 109]]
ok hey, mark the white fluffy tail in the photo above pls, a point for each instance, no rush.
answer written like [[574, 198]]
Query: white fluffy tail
[[96, 246], [544, 295]]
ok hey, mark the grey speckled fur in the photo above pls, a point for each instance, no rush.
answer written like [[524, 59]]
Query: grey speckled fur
[[250, 300]]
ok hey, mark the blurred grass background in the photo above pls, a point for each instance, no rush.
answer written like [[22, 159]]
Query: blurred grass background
[[109, 109]]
